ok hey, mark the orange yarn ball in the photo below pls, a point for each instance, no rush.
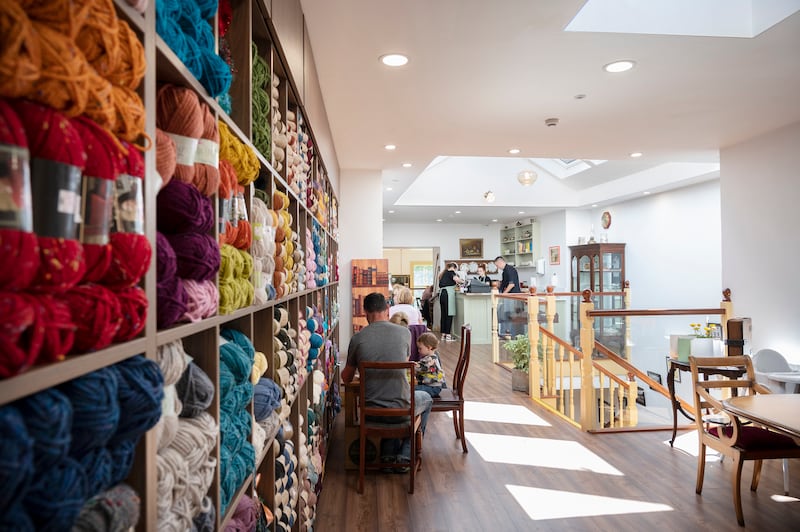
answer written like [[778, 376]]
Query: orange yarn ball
[[97, 39], [206, 176], [131, 65], [178, 112], [165, 156], [130, 113], [64, 16], [20, 52]]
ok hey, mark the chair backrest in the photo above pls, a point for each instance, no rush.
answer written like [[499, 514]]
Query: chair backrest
[[769, 360], [460, 374], [367, 368], [416, 331]]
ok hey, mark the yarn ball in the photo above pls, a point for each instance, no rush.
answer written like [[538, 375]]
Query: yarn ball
[[166, 263], [205, 521], [22, 330], [19, 249], [16, 518], [114, 509], [197, 255], [16, 456], [97, 467], [178, 114], [95, 409], [133, 308], [48, 419], [172, 302], [20, 52], [165, 157], [206, 166], [195, 391], [122, 456], [246, 514], [182, 208], [203, 299], [57, 495], [97, 315], [141, 390], [171, 359], [266, 398], [59, 330]]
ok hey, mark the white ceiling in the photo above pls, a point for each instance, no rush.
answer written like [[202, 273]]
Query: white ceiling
[[483, 77]]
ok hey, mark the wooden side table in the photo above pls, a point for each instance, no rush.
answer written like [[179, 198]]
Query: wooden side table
[[731, 372]]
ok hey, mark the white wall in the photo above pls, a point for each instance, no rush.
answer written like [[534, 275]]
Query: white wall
[[552, 232], [444, 236], [760, 220], [360, 235]]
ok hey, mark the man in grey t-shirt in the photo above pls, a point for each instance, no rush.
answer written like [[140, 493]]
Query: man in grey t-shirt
[[383, 341]]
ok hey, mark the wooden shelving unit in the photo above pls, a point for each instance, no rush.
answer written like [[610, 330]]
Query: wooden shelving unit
[[252, 21]]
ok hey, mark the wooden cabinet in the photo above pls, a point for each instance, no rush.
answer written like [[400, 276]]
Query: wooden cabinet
[[519, 244], [369, 275], [600, 268]]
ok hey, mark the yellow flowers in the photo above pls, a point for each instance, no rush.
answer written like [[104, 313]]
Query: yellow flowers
[[708, 330]]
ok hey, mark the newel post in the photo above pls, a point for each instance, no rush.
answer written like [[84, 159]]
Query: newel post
[[495, 328], [627, 300], [727, 305], [588, 405], [534, 369]]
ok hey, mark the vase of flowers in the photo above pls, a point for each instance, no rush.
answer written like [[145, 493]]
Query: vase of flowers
[[705, 342]]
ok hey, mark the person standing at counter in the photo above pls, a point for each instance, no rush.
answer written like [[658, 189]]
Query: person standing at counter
[[509, 284], [448, 281], [482, 277], [425, 301]]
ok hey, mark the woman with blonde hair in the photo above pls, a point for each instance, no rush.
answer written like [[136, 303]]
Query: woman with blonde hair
[[404, 302]]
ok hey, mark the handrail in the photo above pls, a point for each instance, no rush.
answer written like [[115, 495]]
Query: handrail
[[631, 369], [608, 374], [560, 342], [654, 312]]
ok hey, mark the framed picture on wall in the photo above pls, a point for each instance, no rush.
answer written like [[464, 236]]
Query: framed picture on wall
[[471, 248], [555, 255]]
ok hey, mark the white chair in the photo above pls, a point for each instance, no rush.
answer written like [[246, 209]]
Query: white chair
[[768, 361]]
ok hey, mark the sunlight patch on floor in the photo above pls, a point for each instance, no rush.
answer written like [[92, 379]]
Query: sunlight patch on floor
[[542, 504], [783, 498], [687, 442], [539, 452], [501, 413]]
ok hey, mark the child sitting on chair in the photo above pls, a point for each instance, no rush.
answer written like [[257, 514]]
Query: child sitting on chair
[[430, 375], [399, 318]]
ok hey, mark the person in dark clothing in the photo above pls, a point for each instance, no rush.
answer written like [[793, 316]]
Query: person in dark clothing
[[448, 281], [425, 303], [482, 277], [509, 283]]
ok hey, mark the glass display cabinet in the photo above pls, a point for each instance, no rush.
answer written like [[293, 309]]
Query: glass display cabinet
[[600, 268]]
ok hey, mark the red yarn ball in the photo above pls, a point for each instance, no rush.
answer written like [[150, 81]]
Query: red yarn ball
[[21, 332], [133, 304], [97, 314], [59, 333]]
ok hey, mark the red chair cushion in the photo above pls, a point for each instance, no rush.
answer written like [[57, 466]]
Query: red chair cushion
[[756, 438]]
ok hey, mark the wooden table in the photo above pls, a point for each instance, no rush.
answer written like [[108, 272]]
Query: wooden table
[[678, 365], [779, 411]]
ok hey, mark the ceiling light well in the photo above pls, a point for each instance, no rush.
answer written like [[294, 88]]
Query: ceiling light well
[[618, 67], [394, 60]]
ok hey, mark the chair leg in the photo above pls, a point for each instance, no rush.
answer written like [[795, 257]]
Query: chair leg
[[455, 423], [413, 464], [419, 449], [756, 475], [786, 476], [461, 424], [737, 489], [362, 461], [701, 467]]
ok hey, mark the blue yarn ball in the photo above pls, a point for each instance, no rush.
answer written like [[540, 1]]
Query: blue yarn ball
[[236, 360], [207, 8], [240, 339], [195, 391], [122, 455], [226, 381], [141, 391], [311, 324], [97, 466], [16, 518], [266, 398], [95, 409], [16, 457], [313, 353], [48, 417], [57, 495], [317, 340], [205, 521]]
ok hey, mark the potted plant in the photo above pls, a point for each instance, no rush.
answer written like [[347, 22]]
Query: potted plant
[[520, 349]]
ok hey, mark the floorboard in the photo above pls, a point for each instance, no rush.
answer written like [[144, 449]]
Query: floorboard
[[652, 487]]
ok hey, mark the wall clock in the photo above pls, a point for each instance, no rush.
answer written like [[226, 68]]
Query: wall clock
[[605, 219]]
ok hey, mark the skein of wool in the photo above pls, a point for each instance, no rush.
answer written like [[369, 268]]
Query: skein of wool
[[241, 156], [114, 509], [197, 255], [244, 232], [20, 52], [97, 467], [19, 246], [133, 309], [206, 164], [140, 392], [182, 209], [48, 419], [57, 160], [131, 67], [203, 299], [262, 130], [165, 157], [195, 391], [227, 182], [62, 16], [98, 38], [16, 457], [97, 315], [103, 160], [95, 409], [129, 112], [130, 249], [172, 361], [122, 456], [166, 263], [57, 495], [21, 332], [179, 115]]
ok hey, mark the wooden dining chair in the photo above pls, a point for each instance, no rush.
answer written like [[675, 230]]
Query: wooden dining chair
[[726, 433], [452, 399], [405, 425]]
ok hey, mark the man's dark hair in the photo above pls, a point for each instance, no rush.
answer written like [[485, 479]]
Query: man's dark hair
[[499, 257], [375, 302]]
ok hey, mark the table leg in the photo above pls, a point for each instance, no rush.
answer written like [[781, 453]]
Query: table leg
[[671, 387]]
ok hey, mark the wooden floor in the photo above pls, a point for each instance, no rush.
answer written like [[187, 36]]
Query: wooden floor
[[535, 472]]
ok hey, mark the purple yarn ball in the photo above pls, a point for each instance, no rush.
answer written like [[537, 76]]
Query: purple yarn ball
[[183, 209], [197, 255]]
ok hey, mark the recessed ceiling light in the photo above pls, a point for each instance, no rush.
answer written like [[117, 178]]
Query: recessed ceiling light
[[636, 154], [394, 60], [391, 212], [438, 219], [389, 189], [594, 204], [521, 212], [514, 151], [646, 193], [619, 66], [390, 147], [458, 212], [494, 219], [406, 165]]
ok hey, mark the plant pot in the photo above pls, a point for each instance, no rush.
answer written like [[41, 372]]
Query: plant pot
[[520, 381], [706, 347]]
